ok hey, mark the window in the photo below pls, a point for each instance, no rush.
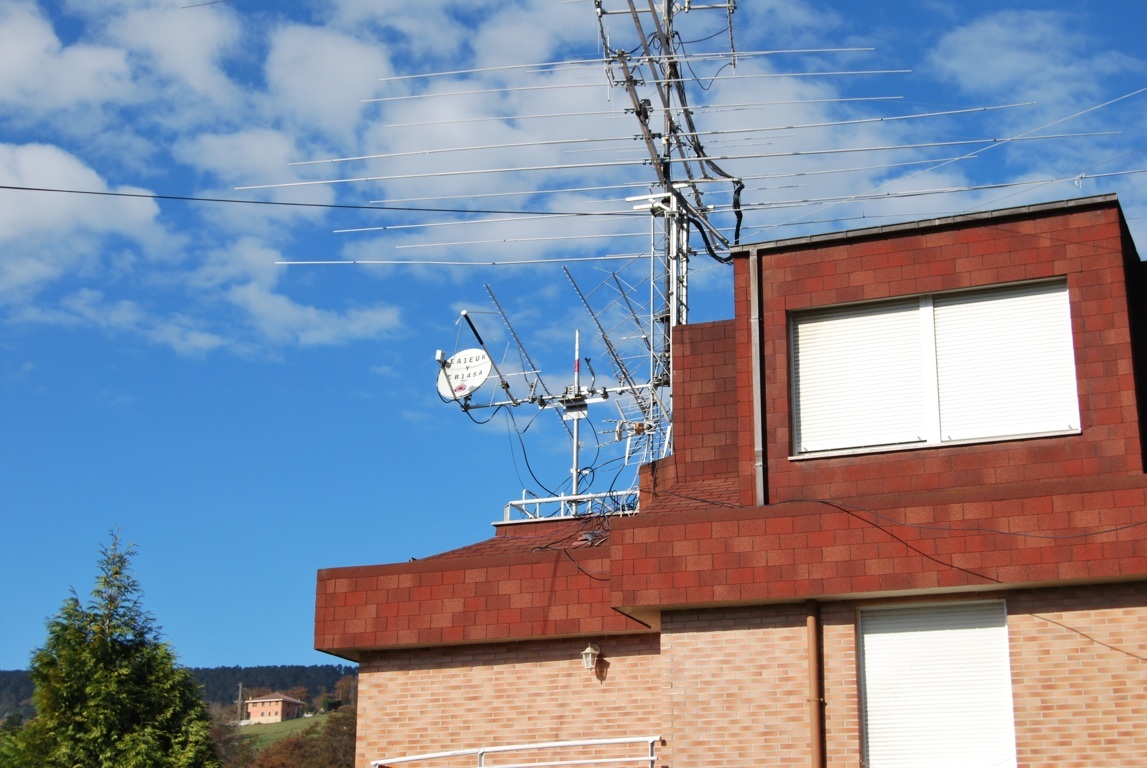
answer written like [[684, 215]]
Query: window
[[958, 367], [936, 686]]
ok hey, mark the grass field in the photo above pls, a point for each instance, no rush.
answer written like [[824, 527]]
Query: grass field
[[263, 734]]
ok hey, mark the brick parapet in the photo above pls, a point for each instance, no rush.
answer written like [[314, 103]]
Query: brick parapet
[[448, 601], [707, 412], [879, 545]]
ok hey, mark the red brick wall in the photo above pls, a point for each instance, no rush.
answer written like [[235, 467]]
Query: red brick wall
[[799, 550], [428, 700], [711, 407], [465, 600], [1085, 245], [737, 684], [705, 401], [1079, 674]]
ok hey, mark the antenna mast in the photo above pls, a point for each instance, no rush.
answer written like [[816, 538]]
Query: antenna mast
[[678, 203], [635, 330]]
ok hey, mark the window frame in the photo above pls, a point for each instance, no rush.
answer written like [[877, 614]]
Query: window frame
[[961, 637], [928, 429]]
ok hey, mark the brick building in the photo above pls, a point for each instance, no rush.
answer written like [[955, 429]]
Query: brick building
[[274, 708], [905, 524]]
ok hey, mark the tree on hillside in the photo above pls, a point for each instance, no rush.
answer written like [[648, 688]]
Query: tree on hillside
[[327, 744], [233, 749], [108, 691], [346, 689], [300, 692]]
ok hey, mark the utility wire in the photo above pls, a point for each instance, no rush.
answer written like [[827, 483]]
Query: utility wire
[[339, 206]]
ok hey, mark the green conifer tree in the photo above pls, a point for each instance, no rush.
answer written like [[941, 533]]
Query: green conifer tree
[[109, 692]]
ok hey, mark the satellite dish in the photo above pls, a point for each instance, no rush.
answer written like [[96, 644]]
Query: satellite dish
[[463, 373]]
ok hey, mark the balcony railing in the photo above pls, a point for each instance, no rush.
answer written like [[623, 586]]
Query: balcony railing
[[647, 759]]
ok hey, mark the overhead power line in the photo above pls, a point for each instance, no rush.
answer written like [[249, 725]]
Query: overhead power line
[[346, 206]]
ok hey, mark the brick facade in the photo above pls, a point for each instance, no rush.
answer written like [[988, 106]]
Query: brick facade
[[738, 686], [481, 598], [1079, 672], [727, 609], [1083, 244], [431, 699]]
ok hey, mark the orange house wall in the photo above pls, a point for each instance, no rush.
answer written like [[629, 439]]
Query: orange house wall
[[737, 682], [738, 688], [1079, 675], [842, 723], [269, 712], [439, 699]]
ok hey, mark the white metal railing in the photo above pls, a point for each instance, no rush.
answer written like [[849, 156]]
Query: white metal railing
[[608, 502], [648, 759]]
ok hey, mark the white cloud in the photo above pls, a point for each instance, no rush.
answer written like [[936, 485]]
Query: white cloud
[[50, 235], [247, 260], [241, 157], [1055, 60], [538, 29], [282, 321], [40, 75], [46, 166], [90, 307], [185, 47], [443, 22], [317, 78], [1023, 55], [254, 156]]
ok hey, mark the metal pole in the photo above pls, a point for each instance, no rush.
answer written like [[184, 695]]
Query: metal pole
[[576, 427], [815, 684]]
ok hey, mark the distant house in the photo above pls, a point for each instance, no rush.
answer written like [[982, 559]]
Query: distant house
[[274, 709]]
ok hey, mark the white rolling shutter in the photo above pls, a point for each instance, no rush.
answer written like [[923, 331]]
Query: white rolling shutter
[[1005, 363], [857, 377], [936, 684], [977, 365]]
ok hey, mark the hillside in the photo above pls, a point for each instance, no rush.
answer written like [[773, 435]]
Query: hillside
[[220, 684]]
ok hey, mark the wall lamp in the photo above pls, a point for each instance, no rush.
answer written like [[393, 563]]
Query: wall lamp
[[589, 657]]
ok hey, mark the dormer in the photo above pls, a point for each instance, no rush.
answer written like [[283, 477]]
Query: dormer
[[980, 350]]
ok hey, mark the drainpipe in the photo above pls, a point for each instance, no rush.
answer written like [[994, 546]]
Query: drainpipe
[[815, 685], [757, 363]]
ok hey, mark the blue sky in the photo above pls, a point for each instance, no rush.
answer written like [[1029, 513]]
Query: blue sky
[[246, 423]]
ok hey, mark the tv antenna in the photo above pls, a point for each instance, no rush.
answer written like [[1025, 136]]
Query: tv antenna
[[633, 319], [661, 192]]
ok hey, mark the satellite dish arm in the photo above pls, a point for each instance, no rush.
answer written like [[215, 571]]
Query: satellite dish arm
[[501, 379], [444, 366]]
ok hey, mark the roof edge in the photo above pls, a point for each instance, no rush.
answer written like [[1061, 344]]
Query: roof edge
[[927, 224]]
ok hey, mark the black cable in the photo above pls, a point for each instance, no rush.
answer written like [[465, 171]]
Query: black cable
[[978, 529], [584, 570], [908, 545], [344, 206], [525, 455], [707, 37], [708, 246], [1095, 640], [480, 421]]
